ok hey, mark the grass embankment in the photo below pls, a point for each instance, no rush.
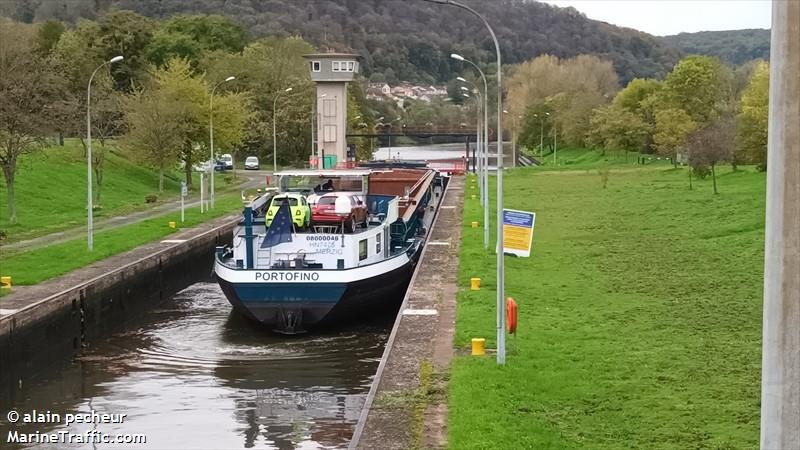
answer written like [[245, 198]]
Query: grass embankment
[[50, 190], [35, 266], [571, 158], [639, 316]]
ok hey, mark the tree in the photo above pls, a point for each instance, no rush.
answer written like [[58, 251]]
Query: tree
[[107, 121], [700, 86], [189, 36], [47, 37], [28, 89], [673, 125], [573, 88], [709, 146], [616, 128], [155, 129], [752, 121]]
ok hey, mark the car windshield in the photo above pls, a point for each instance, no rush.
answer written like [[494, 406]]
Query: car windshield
[[252, 159], [279, 200]]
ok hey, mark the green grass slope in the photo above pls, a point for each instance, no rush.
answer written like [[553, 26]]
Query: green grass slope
[[50, 190], [639, 316]]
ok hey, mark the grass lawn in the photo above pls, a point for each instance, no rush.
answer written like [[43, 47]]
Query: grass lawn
[[639, 315], [50, 190], [571, 158], [34, 266]]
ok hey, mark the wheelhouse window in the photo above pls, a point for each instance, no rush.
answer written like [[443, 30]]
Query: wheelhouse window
[[378, 243]]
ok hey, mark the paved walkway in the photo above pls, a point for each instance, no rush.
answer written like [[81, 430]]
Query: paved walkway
[[251, 179], [406, 407]]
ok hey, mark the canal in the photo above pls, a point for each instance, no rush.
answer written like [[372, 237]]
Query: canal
[[192, 374]]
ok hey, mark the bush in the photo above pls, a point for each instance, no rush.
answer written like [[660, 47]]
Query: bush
[[702, 172], [3, 235], [152, 198]]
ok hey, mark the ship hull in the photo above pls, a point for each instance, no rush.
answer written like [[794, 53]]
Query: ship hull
[[297, 307]]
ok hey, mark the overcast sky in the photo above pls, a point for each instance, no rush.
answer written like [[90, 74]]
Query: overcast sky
[[664, 17]]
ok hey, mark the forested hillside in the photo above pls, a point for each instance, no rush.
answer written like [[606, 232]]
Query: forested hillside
[[735, 47], [402, 40]]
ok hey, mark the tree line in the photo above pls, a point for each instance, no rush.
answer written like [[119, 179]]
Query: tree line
[[701, 113], [399, 40], [156, 103]]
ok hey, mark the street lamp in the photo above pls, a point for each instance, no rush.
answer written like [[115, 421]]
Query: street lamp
[[274, 135], [485, 175], [500, 306], [89, 205], [555, 140], [211, 136], [478, 105]]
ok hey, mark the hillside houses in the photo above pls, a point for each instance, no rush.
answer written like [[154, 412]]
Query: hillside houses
[[400, 92]]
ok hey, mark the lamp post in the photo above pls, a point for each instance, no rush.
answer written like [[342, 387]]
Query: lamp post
[[555, 140], [211, 138], [485, 174], [274, 135], [479, 137], [89, 204], [541, 134], [478, 105], [501, 317], [390, 130]]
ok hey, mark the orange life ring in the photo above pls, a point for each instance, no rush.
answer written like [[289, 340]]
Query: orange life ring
[[511, 315]]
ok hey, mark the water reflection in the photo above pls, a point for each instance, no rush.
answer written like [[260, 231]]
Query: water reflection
[[195, 375]]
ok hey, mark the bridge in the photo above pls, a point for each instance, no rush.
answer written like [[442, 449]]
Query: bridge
[[467, 133]]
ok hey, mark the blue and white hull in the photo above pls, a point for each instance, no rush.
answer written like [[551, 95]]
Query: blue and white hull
[[295, 301]]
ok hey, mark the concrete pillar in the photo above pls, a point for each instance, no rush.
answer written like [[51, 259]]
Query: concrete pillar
[[780, 383]]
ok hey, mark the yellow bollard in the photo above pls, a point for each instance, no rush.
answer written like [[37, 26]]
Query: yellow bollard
[[474, 196], [478, 346], [172, 224], [474, 224], [475, 284], [5, 282]]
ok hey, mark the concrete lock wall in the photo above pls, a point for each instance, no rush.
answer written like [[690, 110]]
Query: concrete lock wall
[[57, 327]]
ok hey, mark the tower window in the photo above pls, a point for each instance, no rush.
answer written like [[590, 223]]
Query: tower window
[[315, 66]]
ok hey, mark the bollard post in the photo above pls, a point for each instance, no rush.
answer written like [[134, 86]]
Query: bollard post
[[478, 346], [475, 284]]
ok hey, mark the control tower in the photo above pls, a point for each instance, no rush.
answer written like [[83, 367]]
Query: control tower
[[331, 72]]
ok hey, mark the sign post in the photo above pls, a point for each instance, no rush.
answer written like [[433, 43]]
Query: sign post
[[184, 193], [518, 232]]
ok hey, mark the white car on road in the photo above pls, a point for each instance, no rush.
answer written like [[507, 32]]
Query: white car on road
[[251, 163]]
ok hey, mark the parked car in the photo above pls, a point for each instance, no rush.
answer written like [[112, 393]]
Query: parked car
[[251, 163], [301, 213], [324, 211], [227, 159], [219, 166]]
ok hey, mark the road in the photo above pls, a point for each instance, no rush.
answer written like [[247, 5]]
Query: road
[[250, 179]]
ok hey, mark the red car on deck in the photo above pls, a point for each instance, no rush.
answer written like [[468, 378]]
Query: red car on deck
[[324, 212]]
